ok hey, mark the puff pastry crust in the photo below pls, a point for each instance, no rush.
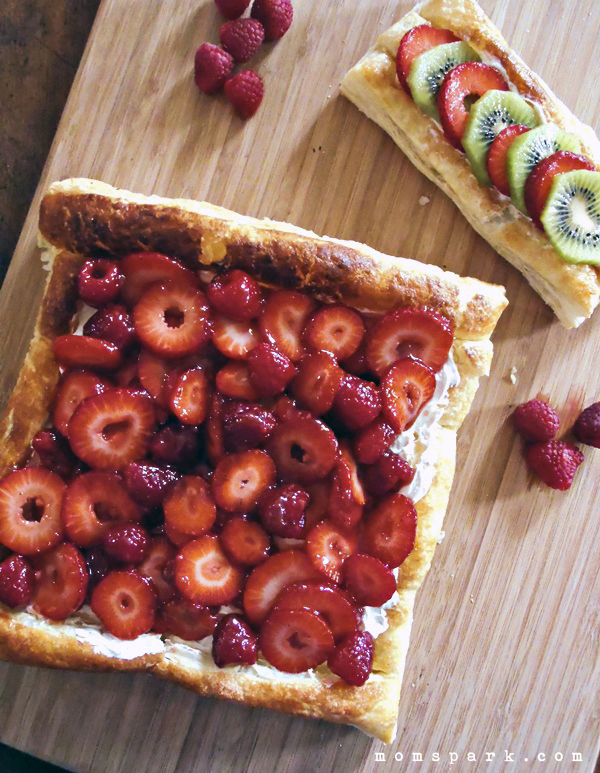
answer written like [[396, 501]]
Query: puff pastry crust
[[572, 291], [80, 218]]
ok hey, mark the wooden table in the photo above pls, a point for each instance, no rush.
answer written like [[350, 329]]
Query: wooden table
[[504, 652]]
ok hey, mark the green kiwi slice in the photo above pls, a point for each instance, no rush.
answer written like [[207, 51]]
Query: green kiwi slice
[[529, 149], [571, 216], [492, 112], [427, 72]]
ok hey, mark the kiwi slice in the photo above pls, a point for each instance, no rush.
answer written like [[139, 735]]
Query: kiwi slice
[[529, 149], [492, 112], [571, 216], [427, 72]]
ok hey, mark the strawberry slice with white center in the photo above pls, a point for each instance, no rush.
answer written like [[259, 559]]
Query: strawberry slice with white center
[[317, 383], [414, 43], [422, 333], [189, 507], [73, 388], [204, 574], [335, 606], [335, 329], [328, 546], [62, 582], [74, 351], [303, 448], [125, 603], [92, 504], [153, 567], [191, 622], [295, 640], [30, 501], [190, 396], [368, 580], [283, 319], [406, 388], [143, 268], [234, 339], [111, 429], [233, 380], [347, 497], [153, 373], [390, 530], [267, 581], [240, 480], [171, 319], [245, 542]]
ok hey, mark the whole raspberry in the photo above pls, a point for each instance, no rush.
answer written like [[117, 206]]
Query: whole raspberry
[[275, 16], [536, 421], [212, 67], [245, 92], [232, 9], [242, 38], [587, 426], [555, 462]]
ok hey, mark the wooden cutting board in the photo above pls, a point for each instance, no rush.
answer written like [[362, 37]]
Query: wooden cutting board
[[504, 652]]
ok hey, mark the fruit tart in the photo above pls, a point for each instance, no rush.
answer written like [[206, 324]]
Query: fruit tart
[[228, 454], [472, 117]]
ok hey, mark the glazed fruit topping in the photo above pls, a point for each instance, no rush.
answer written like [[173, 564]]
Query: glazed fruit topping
[[352, 659], [335, 329], [389, 473], [204, 574], [125, 603], [283, 319], [233, 380], [281, 510], [317, 383], [127, 544], [112, 323], [190, 396], [246, 543], [54, 452], [414, 43], [235, 295], [192, 622], [73, 351], [333, 605], [148, 483], [62, 582], [390, 530], [371, 442], [347, 498], [233, 338], [160, 554], [240, 479], [100, 281], [407, 387], [234, 642], [269, 370], [498, 153], [368, 580], [295, 640], [328, 546], [189, 507], [246, 425], [536, 421], [17, 582], [304, 449], [357, 402]]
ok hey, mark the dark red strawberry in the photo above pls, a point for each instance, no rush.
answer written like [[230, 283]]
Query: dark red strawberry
[[283, 319], [368, 580], [175, 444], [148, 483], [54, 452], [215, 448], [233, 380], [62, 582], [180, 617], [160, 554], [357, 402], [389, 473], [246, 425], [497, 155], [240, 480], [295, 640], [143, 268], [246, 543], [389, 531], [190, 396], [281, 510], [328, 546], [112, 323], [352, 659], [347, 497], [127, 544], [539, 181], [17, 582], [406, 388], [303, 448], [372, 441], [234, 642], [189, 507], [204, 575], [335, 606], [75, 351], [99, 282], [338, 330], [125, 603], [414, 43], [236, 295], [317, 383], [270, 371]]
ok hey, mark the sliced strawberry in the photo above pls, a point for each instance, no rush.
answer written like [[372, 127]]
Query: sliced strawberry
[[153, 373], [270, 371], [92, 503], [266, 581], [204, 575], [406, 388], [368, 580], [215, 448], [497, 155], [183, 618], [540, 179], [30, 501], [62, 582], [236, 295], [335, 329], [283, 319], [153, 567], [233, 380], [189, 507], [328, 545], [414, 43], [125, 603], [141, 269], [303, 448], [422, 333], [111, 429], [55, 453], [234, 339], [390, 530], [371, 442], [17, 581], [357, 363], [347, 497], [171, 319], [461, 86], [335, 606], [190, 396], [241, 478], [73, 388], [389, 473], [318, 380], [357, 402], [352, 659], [177, 538], [295, 640], [318, 505], [245, 542], [75, 351]]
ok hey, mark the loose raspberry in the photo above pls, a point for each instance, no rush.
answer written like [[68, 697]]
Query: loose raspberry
[[234, 642], [17, 582], [240, 479], [62, 582], [232, 9], [242, 38], [245, 92], [328, 546], [189, 507], [587, 426], [99, 282], [212, 67], [125, 603], [149, 483], [246, 425], [294, 640], [334, 605], [191, 622], [369, 580], [204, 575], [235, 295], [245, 542], [352, 659], [274, 15], [127, 543], [281, 510], [536, 421], [270, 370], [554, 462]]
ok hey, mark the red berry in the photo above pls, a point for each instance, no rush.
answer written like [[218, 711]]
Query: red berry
[[328, 546], [160, 554], [144, 268], [371, 442], [75, 351], [175, 444], [148, 483], [30, 501], [189, 507], [369, 580], [333, 605], [246, 425], [240, 479], [204, 575], [389, 473], [317, 383], [270, 371], [414, 43], [235, 295], [461, 84], [99, 282], [283, 319], [97, 566], [347, 497], [215, 448], [125, 603], [74, 387], [303, 448], [233, 338], [234, 642], [536, 421], [190, 396], [295, 640], [390, 530], [406, 388], [497, 155], [587, 426], [54, 452], [554, 462], [113, 324], [318, 506], [281, 510], [180, 617], [245, 542], [357, 363], [233, 380], [242, 38], [212, 67], [357, 402], [352, 659], [245, 92], [231, 9], [274, 15], [335, 329], [62, 582], [17, 582], [127, 543]]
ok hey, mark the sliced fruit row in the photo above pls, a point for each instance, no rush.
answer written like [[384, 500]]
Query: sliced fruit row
[[539, 166]]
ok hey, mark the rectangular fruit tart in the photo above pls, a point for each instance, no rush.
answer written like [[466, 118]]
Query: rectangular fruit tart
[[470, 115], [229, 451]]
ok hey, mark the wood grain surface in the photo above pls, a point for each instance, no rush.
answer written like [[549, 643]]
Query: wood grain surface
[[504, 652]]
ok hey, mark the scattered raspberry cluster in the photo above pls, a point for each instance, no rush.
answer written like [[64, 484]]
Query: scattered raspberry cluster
[[240, 40], [554, 461]]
